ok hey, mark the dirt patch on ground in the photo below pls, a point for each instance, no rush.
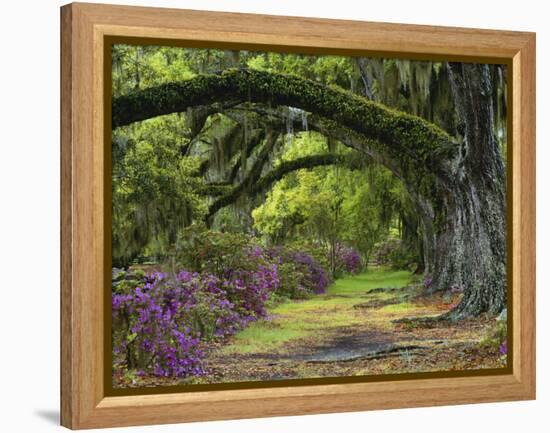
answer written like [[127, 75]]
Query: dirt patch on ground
[[346, 346]]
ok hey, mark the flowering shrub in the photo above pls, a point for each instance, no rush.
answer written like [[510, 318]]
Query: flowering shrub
[[300, 274], [249, 290], [503, 349], [219, 253], [148, 332], [395, 253], [384, 251], [240, 259], [162, 326], [315, 276], [318, 252], [247, 273], [348, 260]]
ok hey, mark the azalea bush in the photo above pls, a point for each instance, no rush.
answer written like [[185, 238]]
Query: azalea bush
[[238, 257], [300, 274], [247, 273], [163, 325], [218, 253], [151, 329], [348, 260], [164, 322], [316, 250]]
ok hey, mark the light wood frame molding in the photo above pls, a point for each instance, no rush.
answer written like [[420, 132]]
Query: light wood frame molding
[[83, 31]]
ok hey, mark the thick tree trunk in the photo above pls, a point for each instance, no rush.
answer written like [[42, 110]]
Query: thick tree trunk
[[469, 242]]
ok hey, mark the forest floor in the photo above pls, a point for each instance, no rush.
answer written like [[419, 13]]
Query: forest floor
[[352, 330], [355, 329]]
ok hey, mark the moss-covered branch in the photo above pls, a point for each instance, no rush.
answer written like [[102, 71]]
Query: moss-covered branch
[[399, 133]]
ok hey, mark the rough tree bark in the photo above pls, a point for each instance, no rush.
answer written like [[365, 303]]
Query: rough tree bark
[[470, 240], [457, 188]]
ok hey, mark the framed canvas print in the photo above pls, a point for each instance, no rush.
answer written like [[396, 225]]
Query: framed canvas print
[[267, 216]]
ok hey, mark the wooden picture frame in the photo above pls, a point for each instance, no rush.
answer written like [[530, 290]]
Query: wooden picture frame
[[85, 28]]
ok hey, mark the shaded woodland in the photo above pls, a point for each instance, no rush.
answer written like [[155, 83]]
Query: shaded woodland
[[243, 181]]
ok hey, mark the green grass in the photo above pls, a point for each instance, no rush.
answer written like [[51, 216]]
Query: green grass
[[258, 337], [372, 279], [294, 320], [398, 308]]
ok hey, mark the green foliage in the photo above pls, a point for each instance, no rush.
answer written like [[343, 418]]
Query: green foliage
[[126, 282], [315, 250], [154, 194], [397, 254], [292, 278], [189, 162], [496, 334], [331, 205], [300, 274], [201, 250], [402, 258]]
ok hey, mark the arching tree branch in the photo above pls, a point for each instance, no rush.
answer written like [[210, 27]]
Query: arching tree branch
[[396, 132]]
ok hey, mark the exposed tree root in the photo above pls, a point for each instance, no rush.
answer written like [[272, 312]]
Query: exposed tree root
[[424, 322]]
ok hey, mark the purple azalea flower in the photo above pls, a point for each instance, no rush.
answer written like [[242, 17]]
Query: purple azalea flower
[[503, 349]]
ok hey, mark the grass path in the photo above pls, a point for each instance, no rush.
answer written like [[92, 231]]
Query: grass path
[[350, 330], [315, 318]]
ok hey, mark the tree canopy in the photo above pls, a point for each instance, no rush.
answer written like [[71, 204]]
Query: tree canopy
[[287, 146]]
